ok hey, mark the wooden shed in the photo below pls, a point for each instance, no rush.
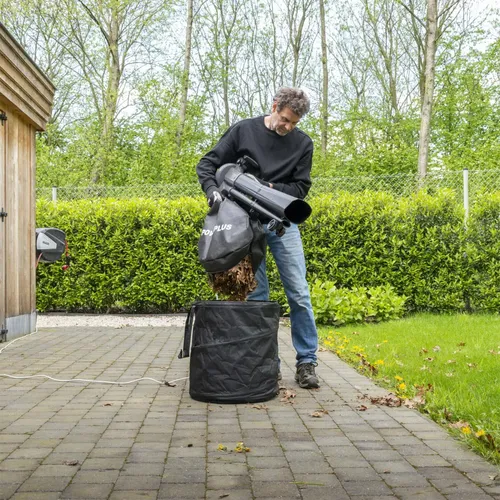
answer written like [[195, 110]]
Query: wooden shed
[[26, 97]]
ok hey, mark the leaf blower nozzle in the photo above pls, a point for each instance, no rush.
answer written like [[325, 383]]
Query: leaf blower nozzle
[[268, 203]]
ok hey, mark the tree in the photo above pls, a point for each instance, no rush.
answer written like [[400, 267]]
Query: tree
[[221, 36], [107, 37], [466, 111], [325, 89], [437, 22], [430, 55], [300, 36], [185, 73], [36, 25]]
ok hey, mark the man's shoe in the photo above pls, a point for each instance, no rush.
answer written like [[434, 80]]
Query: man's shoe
[[306, 376]]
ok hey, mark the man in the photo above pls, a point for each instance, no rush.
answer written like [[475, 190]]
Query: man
[[284, 155]]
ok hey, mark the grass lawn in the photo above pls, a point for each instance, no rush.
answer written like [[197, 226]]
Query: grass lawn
[[448, 365]]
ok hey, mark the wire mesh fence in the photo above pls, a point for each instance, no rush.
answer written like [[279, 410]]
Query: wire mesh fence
[[155, 191], [468, 185]]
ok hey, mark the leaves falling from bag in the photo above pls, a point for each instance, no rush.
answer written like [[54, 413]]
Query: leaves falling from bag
[[237, 282]]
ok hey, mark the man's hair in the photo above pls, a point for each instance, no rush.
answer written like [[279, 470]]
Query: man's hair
[[293, 98]]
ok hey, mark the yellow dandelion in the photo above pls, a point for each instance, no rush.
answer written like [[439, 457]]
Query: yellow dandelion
[[480, 433], [398, 378], [402, 386], [466, 430], [379, 362], [385, 341]]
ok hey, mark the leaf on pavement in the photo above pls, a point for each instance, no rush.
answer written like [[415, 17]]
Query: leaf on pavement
[[241, 448], [319, 413], [287, 395]]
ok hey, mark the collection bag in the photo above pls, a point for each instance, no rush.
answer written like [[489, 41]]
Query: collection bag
[[233, 351], [229, 234]]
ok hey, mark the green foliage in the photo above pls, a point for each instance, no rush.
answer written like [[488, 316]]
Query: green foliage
[[362, 142], [466, 130], [141, 255], [369, 239], [135, 255], [483, 251], [144, 151], [338, 306], [159, 159]]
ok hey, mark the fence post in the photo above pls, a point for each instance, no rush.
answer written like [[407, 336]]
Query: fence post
[[54, 194], [466, 193]]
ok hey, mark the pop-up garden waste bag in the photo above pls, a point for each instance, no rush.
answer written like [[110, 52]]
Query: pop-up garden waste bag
[[233, 350]]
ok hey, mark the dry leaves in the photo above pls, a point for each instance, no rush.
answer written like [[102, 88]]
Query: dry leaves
[[419, 399], [259, 407], [388, 400], [287, 395], [459, 425], [366, 364], [237, 282], [319, 413]]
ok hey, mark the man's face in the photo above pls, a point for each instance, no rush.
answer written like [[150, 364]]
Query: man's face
[[283, 121]]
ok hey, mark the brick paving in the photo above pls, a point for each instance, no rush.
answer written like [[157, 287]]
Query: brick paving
[[149, 441]]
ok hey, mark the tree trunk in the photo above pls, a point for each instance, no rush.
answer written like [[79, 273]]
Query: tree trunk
[[111, 98], [185, 74], [324, 64], [430, 54]]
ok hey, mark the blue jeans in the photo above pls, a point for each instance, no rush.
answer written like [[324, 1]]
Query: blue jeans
[[289, 257]]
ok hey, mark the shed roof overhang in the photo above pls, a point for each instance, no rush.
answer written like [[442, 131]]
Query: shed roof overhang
[[23, 85]]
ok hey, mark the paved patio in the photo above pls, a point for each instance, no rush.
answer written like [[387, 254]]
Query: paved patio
[[150, 441]]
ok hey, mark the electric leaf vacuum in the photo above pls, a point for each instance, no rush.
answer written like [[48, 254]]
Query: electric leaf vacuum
[[233, 345]]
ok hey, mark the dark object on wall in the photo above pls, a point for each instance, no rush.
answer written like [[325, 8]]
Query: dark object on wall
[[233, 350], [50, 244]]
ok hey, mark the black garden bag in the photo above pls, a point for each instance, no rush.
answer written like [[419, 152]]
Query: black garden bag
[[233, 350], [229, 234]]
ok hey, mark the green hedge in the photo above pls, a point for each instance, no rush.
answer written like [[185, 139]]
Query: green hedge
[[141, 255], [483, 253], [414, 244], [137, 255]]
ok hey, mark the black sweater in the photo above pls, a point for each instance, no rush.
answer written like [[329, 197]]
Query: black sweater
[[284, 161]]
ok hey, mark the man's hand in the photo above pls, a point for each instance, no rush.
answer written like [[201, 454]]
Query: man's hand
[[214, 198], [265, 183]]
